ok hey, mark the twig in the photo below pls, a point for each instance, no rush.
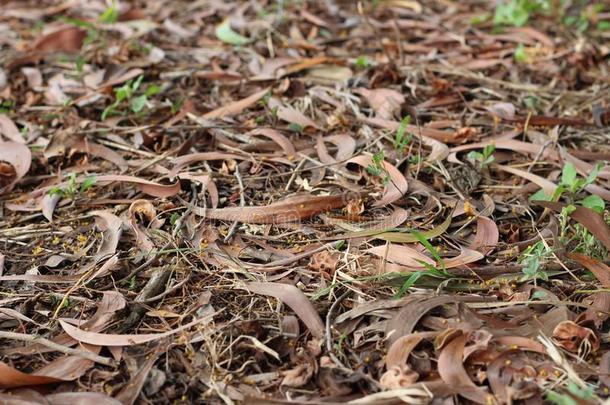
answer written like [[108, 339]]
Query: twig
[[242, 202], [56, 346]]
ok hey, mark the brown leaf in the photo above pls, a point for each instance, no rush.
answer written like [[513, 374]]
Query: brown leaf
[[81, 398], [66, 39], [10, 130], [599, 269], [403, 255], [487, 236], [409, 315], [385, 102], [451, 369], [291, 115], [237, 106], [16, 156], [573, 337], [12, 378], [397, 377], [290, 209], [397, 186], [588, 218], [295, 299], [106, 339]]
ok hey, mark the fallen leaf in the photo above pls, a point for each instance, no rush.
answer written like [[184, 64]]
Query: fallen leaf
[[385, 102], [290, 209], [451, 369], [106, 339], [397, 185], [15, 160], [575, 338], [588, 218], [10, 130], [237, 106], [295, 299]]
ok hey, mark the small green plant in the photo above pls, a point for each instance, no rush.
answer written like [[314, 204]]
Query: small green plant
[[362, 62], [584, 393], [377, 168], [110, 15], [532, 258], [430, 270], [484, 158], [402, 138], [294, 127], [518, 12], [571, 185], [72, 189], [6, 106], [126, 96], [520, 55]]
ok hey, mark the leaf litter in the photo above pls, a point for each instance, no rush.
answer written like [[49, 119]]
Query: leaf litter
[[309, 202]]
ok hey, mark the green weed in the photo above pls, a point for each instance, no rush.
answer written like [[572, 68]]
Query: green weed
[[125, 97], [72, 189]]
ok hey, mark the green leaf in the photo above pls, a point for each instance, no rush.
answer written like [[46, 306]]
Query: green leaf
[[520, 55], [540, 196], [136, 84], [123, 93], [594, 202], [568, 175], [138, 103], [87, 183], [408, 284], [152, 90], [225, 33], [294, 127], [424, 241], [110, 15]]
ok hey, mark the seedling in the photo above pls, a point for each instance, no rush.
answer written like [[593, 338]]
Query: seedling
[[518, 12], [125, 96], [362, 62], [72, 189], [377, 168], [532, 258], [571, 184], [402, 138], [110, 15], [484, 158]]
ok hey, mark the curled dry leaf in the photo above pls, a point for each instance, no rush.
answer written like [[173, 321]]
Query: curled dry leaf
[[385, 102], [397, 186], [547, 186], [451, 369], [237, 106], [290, 209], [10, 130], [397, 377], [141, 214], [12, 378], [15, 160], [599, 269], [295, 299], [403, 255], [110, 225], [107, 339], [291, 115], [487, 236], [66, 39], [575, 338], [278, 138]]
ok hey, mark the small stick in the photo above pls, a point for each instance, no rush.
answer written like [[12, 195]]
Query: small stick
[[242, 202]]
